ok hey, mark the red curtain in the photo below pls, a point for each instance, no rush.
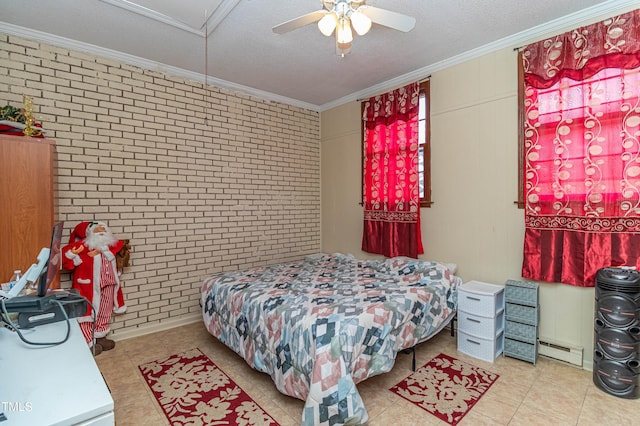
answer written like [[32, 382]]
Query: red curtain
[[391, 186], [582, 152]]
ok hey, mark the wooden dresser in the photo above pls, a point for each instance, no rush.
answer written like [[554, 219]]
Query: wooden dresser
[[26, 200]]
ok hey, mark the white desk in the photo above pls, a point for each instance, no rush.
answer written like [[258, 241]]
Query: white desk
[[51, 385]]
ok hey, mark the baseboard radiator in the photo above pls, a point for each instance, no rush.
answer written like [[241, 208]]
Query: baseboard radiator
[[560, 351]]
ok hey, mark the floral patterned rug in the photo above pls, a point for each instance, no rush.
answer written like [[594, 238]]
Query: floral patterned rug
[[192, 390], [446, 387]]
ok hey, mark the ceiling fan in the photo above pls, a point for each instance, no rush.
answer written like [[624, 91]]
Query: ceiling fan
[[342, 16]]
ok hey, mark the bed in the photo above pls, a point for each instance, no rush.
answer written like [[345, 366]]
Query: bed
[[320, 326]]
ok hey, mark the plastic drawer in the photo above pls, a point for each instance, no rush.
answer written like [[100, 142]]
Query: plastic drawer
[[520, 313], [484, 327], [521, 350], [519, 331], [478, 298], [521, 292], [484, 349]]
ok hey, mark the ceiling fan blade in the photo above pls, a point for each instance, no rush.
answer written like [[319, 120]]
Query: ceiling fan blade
[[387, 18], [300, 21]]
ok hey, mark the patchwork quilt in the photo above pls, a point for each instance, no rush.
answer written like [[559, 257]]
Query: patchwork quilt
[[320, 326]]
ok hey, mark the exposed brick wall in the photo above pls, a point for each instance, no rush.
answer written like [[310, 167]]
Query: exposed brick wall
[[199, 182]]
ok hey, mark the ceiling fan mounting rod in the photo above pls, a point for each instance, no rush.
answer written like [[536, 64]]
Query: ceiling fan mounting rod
[[342, 8]]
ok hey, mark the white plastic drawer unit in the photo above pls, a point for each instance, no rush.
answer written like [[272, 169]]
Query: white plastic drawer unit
[[481, 320], [478, 298]]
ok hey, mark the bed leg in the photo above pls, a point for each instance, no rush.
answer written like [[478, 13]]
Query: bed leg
[[453, 320], [411, 350], [413, 361]]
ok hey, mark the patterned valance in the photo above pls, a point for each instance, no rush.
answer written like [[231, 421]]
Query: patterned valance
[[585, 51], [400, 104]]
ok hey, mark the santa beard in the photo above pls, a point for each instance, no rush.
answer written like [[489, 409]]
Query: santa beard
[[100, 240]]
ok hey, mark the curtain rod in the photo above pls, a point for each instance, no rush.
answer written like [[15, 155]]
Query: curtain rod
[[422, 80]]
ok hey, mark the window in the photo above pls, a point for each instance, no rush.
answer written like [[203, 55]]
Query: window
[[424, 150], [566, 103], [580, 152], [391, 177]]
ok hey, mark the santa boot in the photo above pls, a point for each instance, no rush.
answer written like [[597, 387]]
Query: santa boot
[[107, 344], [96, 349]]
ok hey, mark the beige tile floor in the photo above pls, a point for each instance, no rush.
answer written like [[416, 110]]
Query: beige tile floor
[[549, 393]]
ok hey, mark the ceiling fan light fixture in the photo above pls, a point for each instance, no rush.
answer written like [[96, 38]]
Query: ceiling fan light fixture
[[328, 23], [361, 23], [344, 33], [342, 49]]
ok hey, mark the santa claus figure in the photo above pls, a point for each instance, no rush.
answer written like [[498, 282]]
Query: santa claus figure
[[91, 255]]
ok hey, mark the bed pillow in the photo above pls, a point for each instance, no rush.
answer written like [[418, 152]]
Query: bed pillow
[[403, 266]]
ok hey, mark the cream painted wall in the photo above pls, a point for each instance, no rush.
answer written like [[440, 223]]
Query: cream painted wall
[[474, 221], [340, 171]]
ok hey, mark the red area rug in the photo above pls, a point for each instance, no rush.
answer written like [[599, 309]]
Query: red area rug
[[192, 390], [446, 387]]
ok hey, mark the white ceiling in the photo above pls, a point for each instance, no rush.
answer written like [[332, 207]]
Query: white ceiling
[[299, 67]]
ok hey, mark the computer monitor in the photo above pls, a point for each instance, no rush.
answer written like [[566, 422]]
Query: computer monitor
[[47, 280]]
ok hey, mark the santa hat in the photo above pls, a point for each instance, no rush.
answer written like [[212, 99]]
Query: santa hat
[[79, 232], [93, 225]]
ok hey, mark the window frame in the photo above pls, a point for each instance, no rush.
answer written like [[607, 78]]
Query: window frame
[[425, 89], [520, 201]]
